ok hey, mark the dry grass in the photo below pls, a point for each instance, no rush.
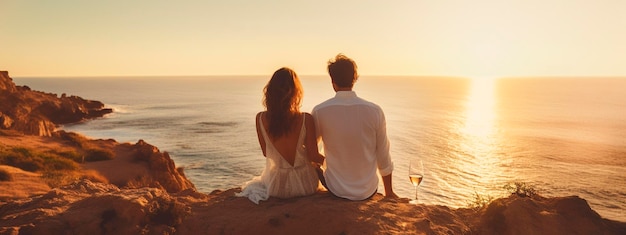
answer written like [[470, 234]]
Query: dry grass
[[56, 168], [92, 152], [96, 154], [59, 178], [480, 201], [34, 161], [518, 188], [74, 139]]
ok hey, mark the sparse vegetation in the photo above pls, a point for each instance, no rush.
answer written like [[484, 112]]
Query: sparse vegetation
[[518, 188], [59, 166], [72, 155], [56, 168], [480, 201], [521, 189], [21, 158], [5, 175], [93, 155], [33, 161], [75, 139], [59, 178], [92, 152]]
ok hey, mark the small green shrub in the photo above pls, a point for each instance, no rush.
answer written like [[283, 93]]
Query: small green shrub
[[5, 175], [521, 189], [93, 155], [57, 163], [31, 160], [24, 162]]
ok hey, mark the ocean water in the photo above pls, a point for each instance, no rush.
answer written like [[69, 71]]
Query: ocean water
[[564, 136]]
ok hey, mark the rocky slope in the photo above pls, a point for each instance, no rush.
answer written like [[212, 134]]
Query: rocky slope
[[85, 207], [38, 113]]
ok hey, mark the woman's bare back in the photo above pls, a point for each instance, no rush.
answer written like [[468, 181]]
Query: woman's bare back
[[285, 145]]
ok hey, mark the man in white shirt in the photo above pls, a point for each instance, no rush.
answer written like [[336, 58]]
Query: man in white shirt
[[354, 136]]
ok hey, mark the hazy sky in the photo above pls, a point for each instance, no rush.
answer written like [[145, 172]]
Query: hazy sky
[[414, 37]]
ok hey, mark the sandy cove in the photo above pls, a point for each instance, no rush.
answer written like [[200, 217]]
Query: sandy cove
[[141, 191]]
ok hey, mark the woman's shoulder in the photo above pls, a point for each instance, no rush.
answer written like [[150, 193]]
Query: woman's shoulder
[[259, 115]]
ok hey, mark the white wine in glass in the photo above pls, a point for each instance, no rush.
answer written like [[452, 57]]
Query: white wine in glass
[[416, 175]]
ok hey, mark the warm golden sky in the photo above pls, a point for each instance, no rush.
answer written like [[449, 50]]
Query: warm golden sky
[[413, 37]]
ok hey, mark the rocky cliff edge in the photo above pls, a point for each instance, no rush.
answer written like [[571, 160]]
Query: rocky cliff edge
[[38, 113]]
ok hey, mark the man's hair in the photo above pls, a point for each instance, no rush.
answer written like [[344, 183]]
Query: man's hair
[[342, 71]]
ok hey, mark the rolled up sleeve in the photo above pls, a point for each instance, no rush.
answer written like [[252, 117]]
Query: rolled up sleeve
[[383, 158]]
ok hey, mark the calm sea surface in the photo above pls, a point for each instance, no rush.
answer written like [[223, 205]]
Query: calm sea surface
[[565, 136]]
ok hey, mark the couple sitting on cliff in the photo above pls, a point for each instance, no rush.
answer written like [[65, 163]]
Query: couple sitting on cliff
[[352, 131]]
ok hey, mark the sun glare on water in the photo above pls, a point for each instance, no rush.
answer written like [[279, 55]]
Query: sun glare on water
[[480, 111], [479, 141]]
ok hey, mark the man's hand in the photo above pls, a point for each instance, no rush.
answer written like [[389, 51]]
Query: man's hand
[[391, 195]]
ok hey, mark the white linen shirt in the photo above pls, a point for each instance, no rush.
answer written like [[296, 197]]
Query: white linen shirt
[[355, 143]]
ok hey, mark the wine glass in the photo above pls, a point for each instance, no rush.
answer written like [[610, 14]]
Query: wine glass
[[416, 174]]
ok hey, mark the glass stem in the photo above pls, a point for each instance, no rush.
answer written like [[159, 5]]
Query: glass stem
[[415, 192]]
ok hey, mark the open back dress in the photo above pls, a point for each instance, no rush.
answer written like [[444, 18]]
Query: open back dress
[[279, 178]]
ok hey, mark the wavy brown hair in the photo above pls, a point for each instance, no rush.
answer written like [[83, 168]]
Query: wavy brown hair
[[283, 94]]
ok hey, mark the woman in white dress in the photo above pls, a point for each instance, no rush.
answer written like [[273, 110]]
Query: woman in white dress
[[288, 141]]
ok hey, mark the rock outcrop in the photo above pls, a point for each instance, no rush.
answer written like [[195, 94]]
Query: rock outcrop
[[38, 113], [162, 169], [140, 165], [6, 83], [94, 208], [539, 215]]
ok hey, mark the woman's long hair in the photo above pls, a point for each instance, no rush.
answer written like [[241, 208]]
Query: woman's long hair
[[283, 94]]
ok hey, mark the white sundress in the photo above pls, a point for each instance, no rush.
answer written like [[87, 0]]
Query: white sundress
[[279, 178]]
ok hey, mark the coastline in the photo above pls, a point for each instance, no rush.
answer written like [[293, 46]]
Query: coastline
[[140, 190]]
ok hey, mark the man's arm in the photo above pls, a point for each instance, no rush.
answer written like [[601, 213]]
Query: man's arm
[[388, 188], [385, 165]]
